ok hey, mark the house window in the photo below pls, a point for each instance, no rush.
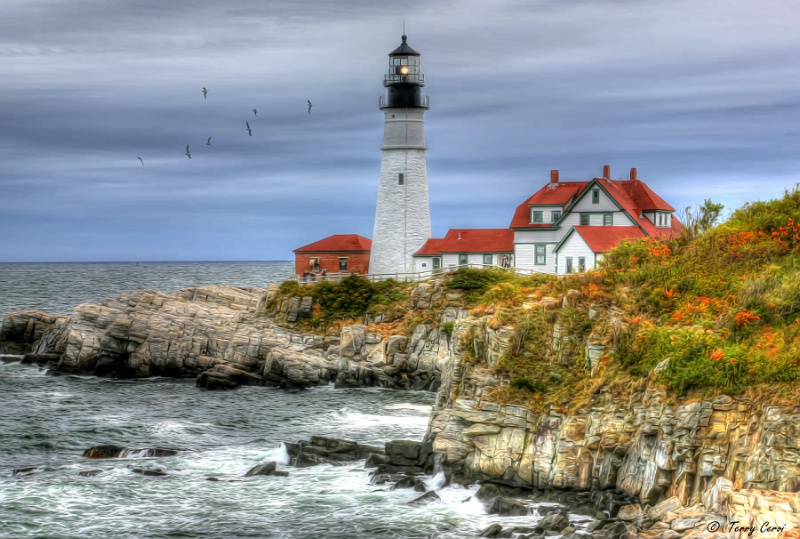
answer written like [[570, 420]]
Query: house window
[[401, 179], [555, 216], [537, 216], [314, 262], [487, 259], [569, 265], [584, 219], [608, 219], [540, 250], [342, 264], [595, 196], [462, 259], [581, 264]]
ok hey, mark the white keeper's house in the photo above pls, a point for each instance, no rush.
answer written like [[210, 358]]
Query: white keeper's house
[[564, 227]]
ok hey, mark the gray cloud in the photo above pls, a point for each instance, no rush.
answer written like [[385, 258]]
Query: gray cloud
[[701, 97]]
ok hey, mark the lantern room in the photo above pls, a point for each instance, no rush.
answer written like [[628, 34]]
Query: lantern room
[[404, 80]]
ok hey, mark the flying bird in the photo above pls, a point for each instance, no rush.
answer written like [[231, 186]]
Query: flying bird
[[140, 159], [249, 131], [205, 92], [209, 141], [188, 154], [255, 112], [309, 105]]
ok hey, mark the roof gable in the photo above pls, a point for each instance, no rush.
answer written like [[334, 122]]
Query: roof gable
[[337, 243], [601, 239], [552, 194]]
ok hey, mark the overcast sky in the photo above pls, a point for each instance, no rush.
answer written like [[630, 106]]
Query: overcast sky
[[702, 97]]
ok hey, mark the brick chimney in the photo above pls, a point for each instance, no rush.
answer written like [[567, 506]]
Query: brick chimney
[[553, 176], [607, 172], [633, 174]]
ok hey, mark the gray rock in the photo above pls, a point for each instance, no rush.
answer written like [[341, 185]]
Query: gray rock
[[491, 531], [425, 499], [268, 468]]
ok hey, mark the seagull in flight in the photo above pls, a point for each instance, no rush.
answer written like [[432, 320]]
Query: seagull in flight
[[209, 141], [255, 111], [188, 154], [205, 92], [309, 105], [249, 131], [140, 159]]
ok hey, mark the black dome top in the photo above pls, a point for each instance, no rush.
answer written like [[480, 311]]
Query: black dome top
[[404, 49]]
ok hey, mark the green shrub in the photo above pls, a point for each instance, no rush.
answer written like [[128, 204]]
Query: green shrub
[[474, 279], [447, 327], [534, 386]]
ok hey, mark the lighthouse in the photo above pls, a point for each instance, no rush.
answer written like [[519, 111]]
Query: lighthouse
[[402, 215]]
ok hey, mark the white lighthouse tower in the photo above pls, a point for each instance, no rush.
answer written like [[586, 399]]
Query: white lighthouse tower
[[403, 215]]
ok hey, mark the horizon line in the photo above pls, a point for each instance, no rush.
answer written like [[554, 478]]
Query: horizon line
[[142, 261]]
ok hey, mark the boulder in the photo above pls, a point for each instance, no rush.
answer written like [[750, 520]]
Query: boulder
[[222, 376], [267, 468], [326, 450], [491, 531], [630, 512], [425, 499], [553, 521]]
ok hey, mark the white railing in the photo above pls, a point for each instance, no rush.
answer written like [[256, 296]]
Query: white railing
[[408, 276]]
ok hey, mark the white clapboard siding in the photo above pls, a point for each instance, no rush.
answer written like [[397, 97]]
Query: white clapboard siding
[[605, 202], [547, 213], [575, 247], [544, 235], [595, 219], [423, 263]]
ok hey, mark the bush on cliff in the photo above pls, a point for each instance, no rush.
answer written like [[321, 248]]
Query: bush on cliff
[[722, 303], [717, 309]]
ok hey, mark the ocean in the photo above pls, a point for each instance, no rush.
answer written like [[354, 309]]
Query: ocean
[[48, 421]]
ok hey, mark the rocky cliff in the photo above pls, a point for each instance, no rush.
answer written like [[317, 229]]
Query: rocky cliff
[[220, 335], [642, 443]]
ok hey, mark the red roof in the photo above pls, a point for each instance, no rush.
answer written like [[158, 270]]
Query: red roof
[[604, 238], [552, 194], [430, 247], [338, 243], [634, 196], [470, 240]]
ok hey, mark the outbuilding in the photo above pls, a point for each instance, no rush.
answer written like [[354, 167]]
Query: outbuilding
[[335, 254]]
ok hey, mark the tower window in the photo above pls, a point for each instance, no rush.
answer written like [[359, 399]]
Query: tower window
[[401, 179]]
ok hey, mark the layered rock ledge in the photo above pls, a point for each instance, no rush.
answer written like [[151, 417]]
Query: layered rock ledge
[[216, 334]]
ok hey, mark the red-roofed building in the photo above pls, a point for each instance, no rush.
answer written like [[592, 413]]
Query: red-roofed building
[[579, 248], [337, 253], [487, 246], [566, 226]]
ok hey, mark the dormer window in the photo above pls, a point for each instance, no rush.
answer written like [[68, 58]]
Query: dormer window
[[555, 215], [537, 216]]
